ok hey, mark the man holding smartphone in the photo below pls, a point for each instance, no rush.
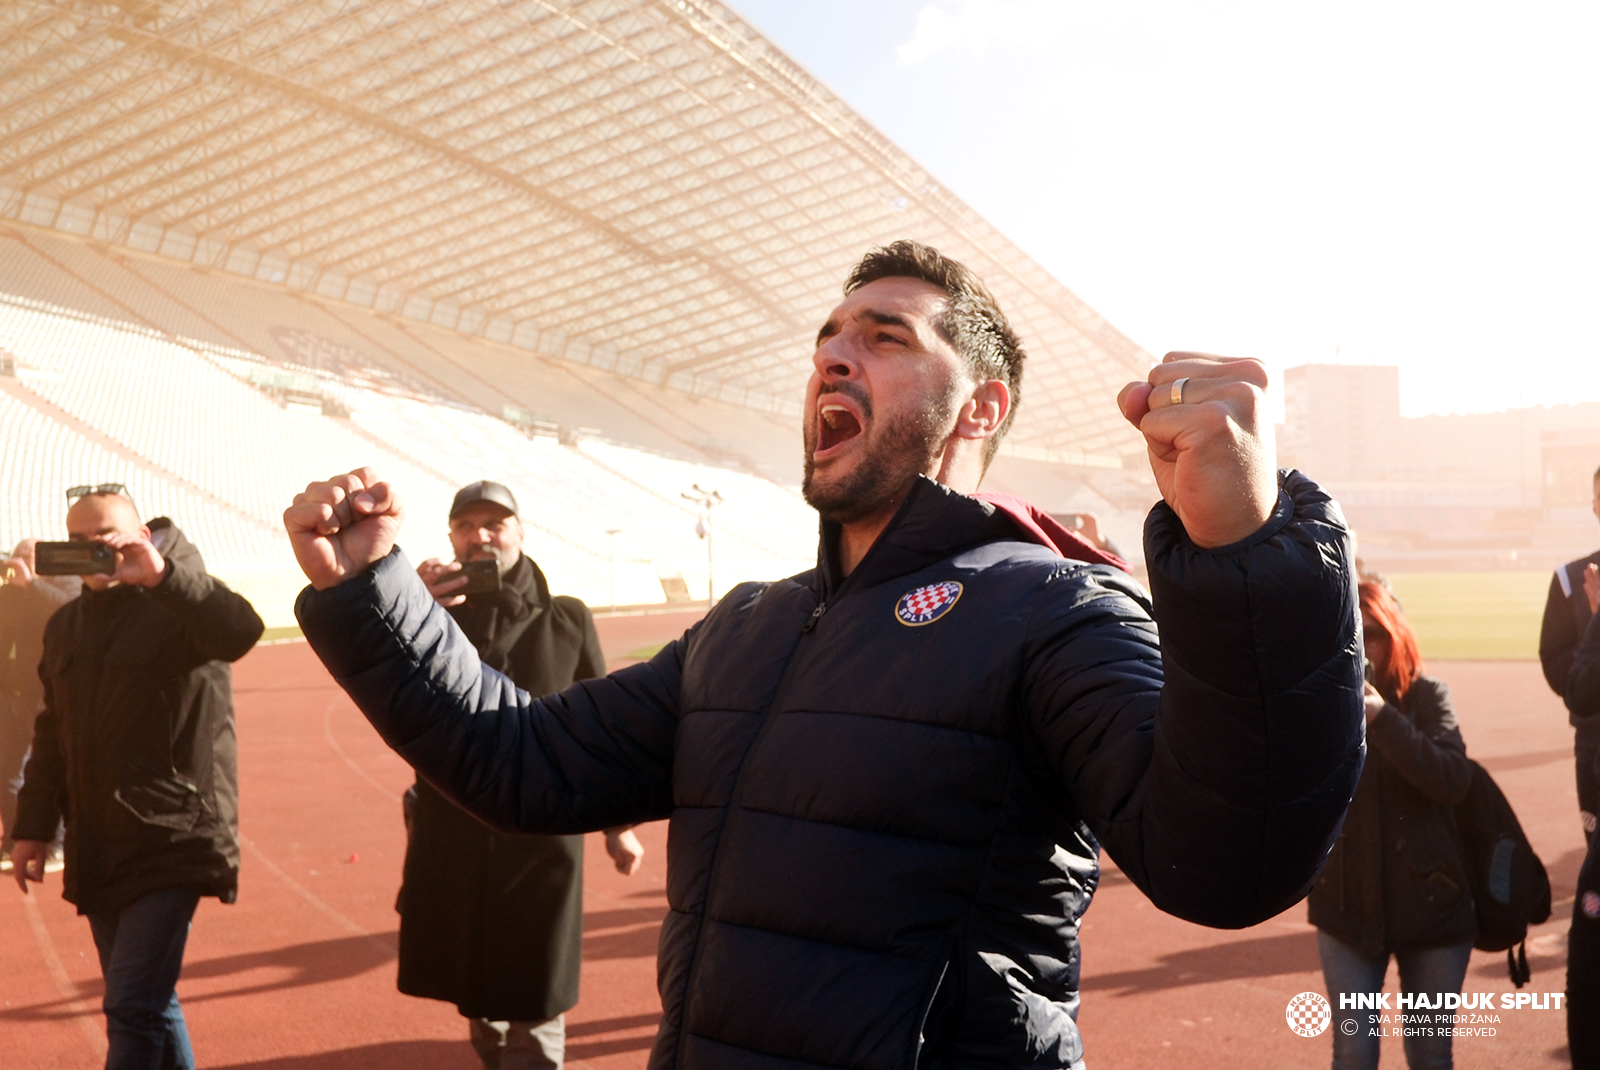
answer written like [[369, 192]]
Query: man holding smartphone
[[135, 747], [492, 922]]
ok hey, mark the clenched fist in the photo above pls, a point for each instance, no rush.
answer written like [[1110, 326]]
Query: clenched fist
[[1212, 452], [340, 527]]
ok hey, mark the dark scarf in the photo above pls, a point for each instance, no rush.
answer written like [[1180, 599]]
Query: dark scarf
[[495, 621]]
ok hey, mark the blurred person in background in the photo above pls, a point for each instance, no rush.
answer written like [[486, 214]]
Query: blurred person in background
[[1582, 695], [135, 748], [489, 921], [1396, 882], [27, 602], [1567, 611]]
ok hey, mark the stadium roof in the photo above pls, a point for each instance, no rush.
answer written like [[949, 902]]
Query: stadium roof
[[643, 185]]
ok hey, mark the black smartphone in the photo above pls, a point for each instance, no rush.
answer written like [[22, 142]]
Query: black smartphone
[[483, 577], [73, 558]]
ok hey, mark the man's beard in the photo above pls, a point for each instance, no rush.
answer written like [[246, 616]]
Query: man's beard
[[905, 449]]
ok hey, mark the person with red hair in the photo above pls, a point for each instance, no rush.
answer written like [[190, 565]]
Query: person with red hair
[[1396, 883]]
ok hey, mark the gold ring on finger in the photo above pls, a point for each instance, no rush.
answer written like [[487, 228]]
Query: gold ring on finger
[[1177, 390]]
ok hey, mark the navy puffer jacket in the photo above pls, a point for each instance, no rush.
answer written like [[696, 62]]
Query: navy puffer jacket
[[883, 835]]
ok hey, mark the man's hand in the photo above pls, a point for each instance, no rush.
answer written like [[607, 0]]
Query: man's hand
[[138, 560], [625, 850], [1212, 455], [443, 579], [27, 862], [339, 528], [1591, 587]]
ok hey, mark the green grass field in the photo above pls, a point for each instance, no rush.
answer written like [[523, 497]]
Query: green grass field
[[1459, 616], [1474, 616]]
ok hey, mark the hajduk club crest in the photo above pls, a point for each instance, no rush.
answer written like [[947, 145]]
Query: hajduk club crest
[[926, 604]]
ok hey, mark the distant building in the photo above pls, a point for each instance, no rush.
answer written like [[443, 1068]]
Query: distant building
[[1343, 421], [1503, 489]]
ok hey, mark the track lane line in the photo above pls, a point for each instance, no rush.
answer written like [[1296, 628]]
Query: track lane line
[[81, 1011], [313, 899], [327, 733]]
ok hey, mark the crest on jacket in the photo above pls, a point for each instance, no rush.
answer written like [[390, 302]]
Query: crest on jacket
[[926, 604]]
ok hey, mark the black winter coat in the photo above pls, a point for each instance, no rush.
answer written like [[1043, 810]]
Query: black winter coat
[[135, 746], [1397, 880], [884, 830], [489, 921]]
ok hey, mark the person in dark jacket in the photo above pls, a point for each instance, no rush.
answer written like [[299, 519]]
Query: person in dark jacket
[[493, 922], [27, 602], [1567, 612], [888, 778], [135, 747], [1583, 940], [1396, 882]]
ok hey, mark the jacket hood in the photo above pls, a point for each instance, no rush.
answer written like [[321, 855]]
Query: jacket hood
[[174, 545]]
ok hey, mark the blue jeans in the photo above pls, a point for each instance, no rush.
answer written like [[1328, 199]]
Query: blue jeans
[[1344, 969], [141, 953]]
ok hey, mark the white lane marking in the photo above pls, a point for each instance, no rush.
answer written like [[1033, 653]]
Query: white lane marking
[[313, 899], [327, 732], [85, 1015]]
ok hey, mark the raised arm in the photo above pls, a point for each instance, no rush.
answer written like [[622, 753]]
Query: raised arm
[[595, 756], [1214, 764], [221, 623]]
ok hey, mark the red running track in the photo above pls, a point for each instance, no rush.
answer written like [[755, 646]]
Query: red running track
[[299, 974]]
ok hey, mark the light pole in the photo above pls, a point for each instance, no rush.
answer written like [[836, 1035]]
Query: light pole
[[705, 499], [611, 533]]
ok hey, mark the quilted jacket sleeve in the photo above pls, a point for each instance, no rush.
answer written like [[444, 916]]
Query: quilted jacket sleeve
[[1215, 763], [595, 756]]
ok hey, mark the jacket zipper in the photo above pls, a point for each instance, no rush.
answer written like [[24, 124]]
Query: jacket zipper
[[716, 863]]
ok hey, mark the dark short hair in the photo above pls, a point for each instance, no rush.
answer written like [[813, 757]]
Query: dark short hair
[[972, 321]]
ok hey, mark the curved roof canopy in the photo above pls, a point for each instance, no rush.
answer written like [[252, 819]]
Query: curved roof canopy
[[644, 185]]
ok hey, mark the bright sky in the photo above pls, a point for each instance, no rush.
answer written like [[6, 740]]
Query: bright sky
[[1386, 183]]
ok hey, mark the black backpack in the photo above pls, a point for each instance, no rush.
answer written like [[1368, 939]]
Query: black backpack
[[1510, 890]]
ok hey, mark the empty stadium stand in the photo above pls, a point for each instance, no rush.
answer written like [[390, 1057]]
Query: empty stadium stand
[[169, 381]]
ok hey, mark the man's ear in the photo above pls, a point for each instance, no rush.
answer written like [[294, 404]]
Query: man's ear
[[984, 413]]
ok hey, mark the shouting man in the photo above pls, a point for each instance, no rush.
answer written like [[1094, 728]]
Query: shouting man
[[889, 777]]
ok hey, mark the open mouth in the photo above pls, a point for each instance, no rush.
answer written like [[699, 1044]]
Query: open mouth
[[836, 425]]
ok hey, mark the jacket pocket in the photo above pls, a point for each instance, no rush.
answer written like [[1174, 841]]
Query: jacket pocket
[[166, 802]]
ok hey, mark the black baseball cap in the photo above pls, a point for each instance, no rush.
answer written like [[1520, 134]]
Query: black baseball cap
[[483, 491]]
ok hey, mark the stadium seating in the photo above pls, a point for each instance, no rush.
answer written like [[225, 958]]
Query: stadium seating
[[159, 361], [171, 368]]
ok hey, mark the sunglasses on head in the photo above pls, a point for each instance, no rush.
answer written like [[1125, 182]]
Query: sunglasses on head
[[74, 493]]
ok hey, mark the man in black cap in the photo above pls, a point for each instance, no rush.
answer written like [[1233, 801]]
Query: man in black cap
[[490, 922]]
